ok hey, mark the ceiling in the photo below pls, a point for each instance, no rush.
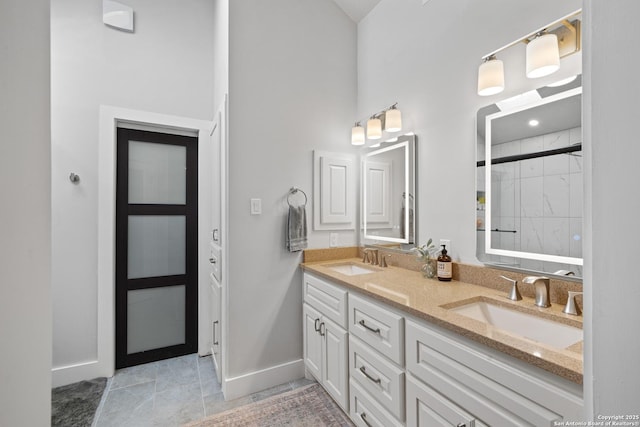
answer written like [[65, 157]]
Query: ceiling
[[357, 9]]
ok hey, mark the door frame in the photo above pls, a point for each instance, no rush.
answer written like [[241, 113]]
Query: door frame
[[110, 118]]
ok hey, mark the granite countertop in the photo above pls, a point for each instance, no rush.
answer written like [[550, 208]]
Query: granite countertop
[[430, 299]]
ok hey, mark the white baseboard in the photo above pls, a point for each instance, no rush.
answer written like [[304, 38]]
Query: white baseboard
[[260, 380], [70, 374]]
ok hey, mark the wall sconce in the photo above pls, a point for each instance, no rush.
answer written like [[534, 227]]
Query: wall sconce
[[374, 128], [490, 76], [357, 134], [543, 55], [545, 47], [389, 120]]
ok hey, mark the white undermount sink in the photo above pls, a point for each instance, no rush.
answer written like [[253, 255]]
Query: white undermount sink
[[351, 269], [527, 325]]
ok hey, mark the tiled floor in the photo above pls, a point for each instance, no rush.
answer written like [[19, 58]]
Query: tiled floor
[[170, 393]]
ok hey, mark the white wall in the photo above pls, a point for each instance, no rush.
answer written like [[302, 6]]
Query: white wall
[[25, 229], [612, 375], [165, 67], [426, 58], [292, 80]]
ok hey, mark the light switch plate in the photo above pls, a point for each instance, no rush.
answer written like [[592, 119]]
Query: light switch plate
[[256, 206], [333, 240]]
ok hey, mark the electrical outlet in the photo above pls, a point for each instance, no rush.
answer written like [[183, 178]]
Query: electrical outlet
[[333, 240], [446, 242]]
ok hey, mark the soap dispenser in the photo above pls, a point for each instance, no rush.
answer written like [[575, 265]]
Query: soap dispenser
[[444, 265]]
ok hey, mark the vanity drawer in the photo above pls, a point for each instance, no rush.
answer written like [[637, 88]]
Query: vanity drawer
[[426, 407], [492, 390], [383, 380], [366, 412], [329, 299], [377, 326]]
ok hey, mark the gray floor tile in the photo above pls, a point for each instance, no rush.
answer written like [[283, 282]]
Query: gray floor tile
[[129, 399], [172, 392], [134, 375], [128, 406]]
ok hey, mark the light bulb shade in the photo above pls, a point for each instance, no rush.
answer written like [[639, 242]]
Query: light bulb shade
[[393, 120], [490, 77], [357, 135], [543, 56], [374, 128]]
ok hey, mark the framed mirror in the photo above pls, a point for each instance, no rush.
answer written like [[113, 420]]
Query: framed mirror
[[529, 195], [388, 194]]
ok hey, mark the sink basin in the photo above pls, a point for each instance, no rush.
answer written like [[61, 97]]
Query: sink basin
[[526, 325], [351, 269]]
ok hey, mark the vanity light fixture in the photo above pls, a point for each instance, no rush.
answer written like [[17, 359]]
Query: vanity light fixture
[[357, 134], [374, 128], [389, 120], [393, 119], [543, 55], [490, 76], [544, 49]]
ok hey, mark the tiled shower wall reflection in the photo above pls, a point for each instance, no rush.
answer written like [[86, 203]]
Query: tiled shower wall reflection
[[538, 202]]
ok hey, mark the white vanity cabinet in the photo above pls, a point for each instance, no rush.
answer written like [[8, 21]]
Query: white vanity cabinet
[[325, 337], [376, 361], [388, 368], [466, 384]]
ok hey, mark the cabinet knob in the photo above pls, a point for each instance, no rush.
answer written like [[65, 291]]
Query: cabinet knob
[[213, 260]]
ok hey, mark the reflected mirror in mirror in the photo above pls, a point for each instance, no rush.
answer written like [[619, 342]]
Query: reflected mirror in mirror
[[388, 194], [529, 197]]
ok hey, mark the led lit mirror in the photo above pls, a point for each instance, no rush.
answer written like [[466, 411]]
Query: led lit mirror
[[529, 196], [388, 194]]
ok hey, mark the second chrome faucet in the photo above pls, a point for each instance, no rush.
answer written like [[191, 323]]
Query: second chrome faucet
[[541, 289]]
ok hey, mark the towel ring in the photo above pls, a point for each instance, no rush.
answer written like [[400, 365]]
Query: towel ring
[[293, 191]]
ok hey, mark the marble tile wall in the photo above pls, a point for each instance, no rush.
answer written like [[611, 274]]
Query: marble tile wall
[[540, 199]]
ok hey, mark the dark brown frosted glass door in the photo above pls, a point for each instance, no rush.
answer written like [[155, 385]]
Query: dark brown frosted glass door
[[156, 246]]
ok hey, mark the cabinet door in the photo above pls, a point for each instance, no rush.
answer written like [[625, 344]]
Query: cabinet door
[[216, 323], [426, 407], [335, 378], [312, 342]]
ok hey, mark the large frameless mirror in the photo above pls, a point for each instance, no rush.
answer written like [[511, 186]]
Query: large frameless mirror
[[529, 194], [388, 194]]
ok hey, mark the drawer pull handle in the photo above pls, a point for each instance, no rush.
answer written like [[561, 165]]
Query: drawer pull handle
[[316, 326], [461, 425], [322, 333], [363, 417], [364, 372], [375, 331], [215, 340]]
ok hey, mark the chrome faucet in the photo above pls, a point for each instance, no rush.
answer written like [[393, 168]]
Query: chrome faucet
[[514, 295], [541, 285], [371, 256], [572, 307]]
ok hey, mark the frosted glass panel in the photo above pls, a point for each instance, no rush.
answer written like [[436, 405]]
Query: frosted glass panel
[[156, 246], [155, 318], [157, 173]]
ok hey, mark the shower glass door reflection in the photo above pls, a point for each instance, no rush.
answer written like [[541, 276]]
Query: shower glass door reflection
[[156, 249]]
